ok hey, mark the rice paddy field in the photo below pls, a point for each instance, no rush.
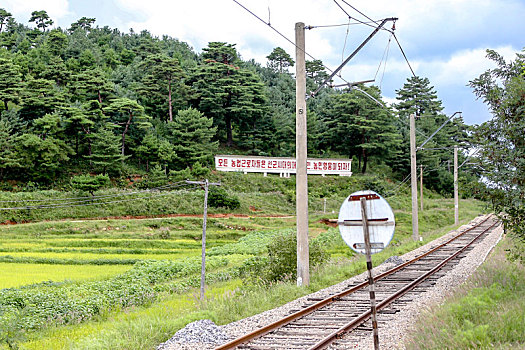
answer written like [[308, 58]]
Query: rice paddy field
[[97, 249], [130, 283]]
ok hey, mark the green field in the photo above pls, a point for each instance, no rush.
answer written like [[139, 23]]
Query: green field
[[16, 275], [131, 283]]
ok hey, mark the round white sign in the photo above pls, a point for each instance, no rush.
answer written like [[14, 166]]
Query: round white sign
[[380, 217]]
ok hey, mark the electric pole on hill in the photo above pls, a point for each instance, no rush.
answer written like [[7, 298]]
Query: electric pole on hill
[[456, 195], [413, 174], [301, 179]]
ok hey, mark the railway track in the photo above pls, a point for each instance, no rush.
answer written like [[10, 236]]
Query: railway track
[[340, 320]]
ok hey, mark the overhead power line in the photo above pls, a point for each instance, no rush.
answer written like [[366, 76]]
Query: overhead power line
[[282, 35], [405, 56]]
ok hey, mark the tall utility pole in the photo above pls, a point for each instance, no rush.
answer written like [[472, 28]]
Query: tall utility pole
[[456, 196], [204, 220], [421, 185], [413, 174], [301, 184]]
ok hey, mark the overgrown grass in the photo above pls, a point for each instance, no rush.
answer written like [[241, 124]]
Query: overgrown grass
[[488, 312]]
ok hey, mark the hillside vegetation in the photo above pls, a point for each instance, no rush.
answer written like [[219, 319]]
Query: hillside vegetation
[[90, 99]]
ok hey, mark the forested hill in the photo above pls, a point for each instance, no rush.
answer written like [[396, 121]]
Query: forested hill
[[91, 99]]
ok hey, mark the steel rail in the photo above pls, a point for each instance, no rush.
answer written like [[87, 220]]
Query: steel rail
[[366, 315], [307, 310]]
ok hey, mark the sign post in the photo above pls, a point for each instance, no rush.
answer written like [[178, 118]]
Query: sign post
[[366, 223], [368, 249]]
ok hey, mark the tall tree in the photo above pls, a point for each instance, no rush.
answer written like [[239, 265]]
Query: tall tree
[[279, 60], [91, 84], [315, 70], [40, 96], [42, 159], [353, 124], [10, 82], [125, 112], [192, 133], [4, 18], [84, 23], [231, 95], [420, 98], [41, 18], [502, 139], [9, 159], [163, 78], [106, 156]]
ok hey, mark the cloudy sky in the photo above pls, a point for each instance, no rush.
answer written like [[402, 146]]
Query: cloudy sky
[[444, 40]]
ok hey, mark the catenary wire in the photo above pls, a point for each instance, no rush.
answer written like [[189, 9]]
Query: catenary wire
[[336, 25], [283, 36], [383, 57], [386, 60], [403, 52], [391, 31], [346, 38]]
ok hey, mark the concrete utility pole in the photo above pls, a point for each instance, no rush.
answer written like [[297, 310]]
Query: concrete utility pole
[[413, 174], [421, 185], [301, 184], [456, 196], [204, 220]]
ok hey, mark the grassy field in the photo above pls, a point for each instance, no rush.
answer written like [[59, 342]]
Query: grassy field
[[488, 312], [121, 284], [16, 275]]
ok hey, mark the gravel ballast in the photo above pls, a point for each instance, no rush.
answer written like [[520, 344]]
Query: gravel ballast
[[204, 334]]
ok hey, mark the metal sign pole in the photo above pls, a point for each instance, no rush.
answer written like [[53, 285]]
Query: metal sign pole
[[368, 249]]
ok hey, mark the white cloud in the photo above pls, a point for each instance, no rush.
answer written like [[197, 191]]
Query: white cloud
[[21, 9], [461, 66]]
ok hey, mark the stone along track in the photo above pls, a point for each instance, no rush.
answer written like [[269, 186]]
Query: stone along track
[[342, 320]]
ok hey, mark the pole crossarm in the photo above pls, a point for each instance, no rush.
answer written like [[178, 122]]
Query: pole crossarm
[[203, 183], [377, 29]]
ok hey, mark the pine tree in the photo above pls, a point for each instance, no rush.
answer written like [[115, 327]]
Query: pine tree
[[163, 82], [231, 95], [191, 134], [418, 97], [315, 70], [125, 112], [353, 124], [4, 18], [42, 20], [106, 156], [84, 23], [279, 60], [9, 159], [10, 82]]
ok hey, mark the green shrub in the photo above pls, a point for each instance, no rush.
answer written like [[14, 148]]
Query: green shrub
[[90, 184], [281, 262], [218, 198], [199, 171]]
